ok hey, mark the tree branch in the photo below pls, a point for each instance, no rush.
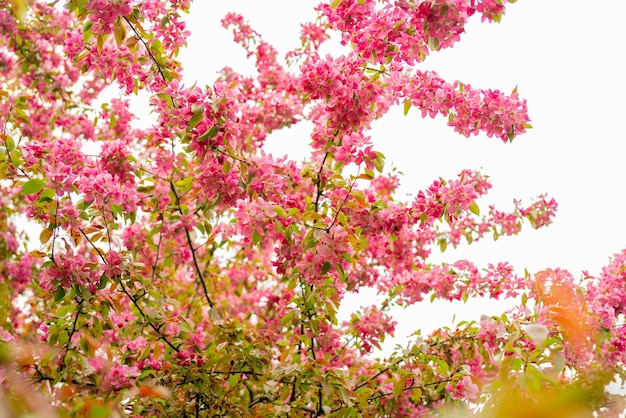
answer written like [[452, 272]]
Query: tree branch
[[152, 57], [193, 251]]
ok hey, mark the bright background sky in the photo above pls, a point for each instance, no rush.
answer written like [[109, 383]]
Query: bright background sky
[[566, 57]]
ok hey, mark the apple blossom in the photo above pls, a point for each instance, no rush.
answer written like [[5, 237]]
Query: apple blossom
[[180, 270]]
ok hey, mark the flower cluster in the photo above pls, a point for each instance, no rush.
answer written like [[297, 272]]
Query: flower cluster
[[469, 111], [180, 269], [371, 327], [405, 30], [463, 389], [105, 13]]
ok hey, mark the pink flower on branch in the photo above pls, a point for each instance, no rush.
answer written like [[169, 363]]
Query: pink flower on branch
[[498, 223], [464, 388], [183, 256], [405, 30], [114, 264], [370, 327], [469, 111], [457, 281], [607, 291], [105, 13]]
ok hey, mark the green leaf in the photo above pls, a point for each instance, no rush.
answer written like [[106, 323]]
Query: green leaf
[[342, 273], [326, 267], [59, 294], [198, 115], [4, 167], [208, 134], [433, 44], [185, 184], [335, 3], [120, 34], [87, 31], [167, 98], [233, 380], [103, 282], [256, 237], [45, 235], [100, 42], [19, 9], [287, 319], [605, 334], [47, 195], [379, 162], [64, 310], [157, 50], [444, 366], [407, 106], [16, 158], [281, 212], [33, 186], [473, 207], [9, 143], [310, 243], [398, 387], [99, 411], [117, 209]]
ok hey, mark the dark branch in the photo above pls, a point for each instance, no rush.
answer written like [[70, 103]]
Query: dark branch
[[193, 251]]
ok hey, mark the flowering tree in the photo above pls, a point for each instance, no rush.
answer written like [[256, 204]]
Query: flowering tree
[[181, 271]]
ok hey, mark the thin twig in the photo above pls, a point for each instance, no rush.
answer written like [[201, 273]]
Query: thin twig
[[191, 248], [144, 316], [342, 204], [152, 57], [318, 184], [386, 369], [69, 338]]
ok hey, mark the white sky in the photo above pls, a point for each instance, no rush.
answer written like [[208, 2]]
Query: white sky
[[567, 59]]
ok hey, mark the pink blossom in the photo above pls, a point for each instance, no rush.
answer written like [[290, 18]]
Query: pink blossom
[[106, 12], [464, 388], [371, 327], [114, 264]]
